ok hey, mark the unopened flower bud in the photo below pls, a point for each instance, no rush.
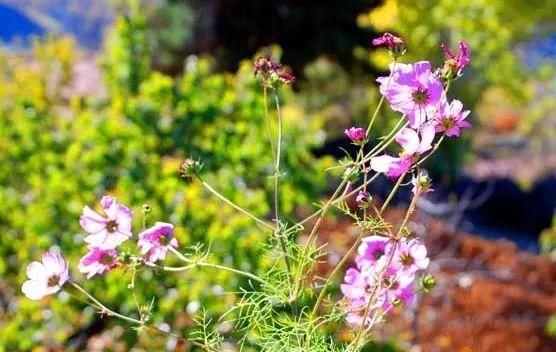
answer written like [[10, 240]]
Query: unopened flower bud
[[351, 174], [190, 168], [421, 183], [454, 64], [356, 134], [429, 282], [363, 199], [395, 45], [271, 72], [125, 257]]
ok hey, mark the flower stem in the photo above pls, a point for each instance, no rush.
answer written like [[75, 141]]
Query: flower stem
[[103, 308], [277, 231], [235, 206], [393, 192], [268, 123], [194, 263]]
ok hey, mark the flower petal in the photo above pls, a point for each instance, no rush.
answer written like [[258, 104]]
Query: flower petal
[[34, 289], [36, 271]]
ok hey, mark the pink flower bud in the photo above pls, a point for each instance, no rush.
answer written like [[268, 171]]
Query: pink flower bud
[[454, 64], [356, 134], [396, 45]]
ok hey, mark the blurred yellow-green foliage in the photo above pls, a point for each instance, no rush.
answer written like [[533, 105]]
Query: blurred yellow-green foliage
[[60, 151]]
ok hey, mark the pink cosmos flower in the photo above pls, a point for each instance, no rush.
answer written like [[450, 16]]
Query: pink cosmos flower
[[156, 241], [356, 134], [385, 273], [387, 39], [370, 250], [356, 287], [450, 118], [412, 90], [458, 62], [107, 232], [410, 256], [98, 261], [396, 283], [46, 277], [412, 145]]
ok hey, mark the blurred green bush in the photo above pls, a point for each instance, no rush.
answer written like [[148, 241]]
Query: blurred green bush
[[60, 151]]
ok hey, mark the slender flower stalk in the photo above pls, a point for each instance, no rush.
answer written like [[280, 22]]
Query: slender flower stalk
[[235, 206], [277, 184], [142, 324], [268, 122], [392, 193], [193, 263]]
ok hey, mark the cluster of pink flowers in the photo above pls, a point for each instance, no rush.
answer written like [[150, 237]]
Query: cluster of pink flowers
[[105, 232], [383, 278], [387, 267], [418, 93]]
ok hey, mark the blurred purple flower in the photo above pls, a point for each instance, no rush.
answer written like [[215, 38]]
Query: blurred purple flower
[[387, 39]]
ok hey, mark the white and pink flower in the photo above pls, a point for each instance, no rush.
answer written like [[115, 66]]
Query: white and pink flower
[[45, 277], [413, 143]]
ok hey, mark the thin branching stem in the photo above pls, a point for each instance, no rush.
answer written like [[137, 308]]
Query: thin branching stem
[[393, 192], [193, 263], [235, 206], [268, 122], [277, 187], [141, 324]]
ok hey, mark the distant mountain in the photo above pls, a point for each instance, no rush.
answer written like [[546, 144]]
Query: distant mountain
[[86, 20]]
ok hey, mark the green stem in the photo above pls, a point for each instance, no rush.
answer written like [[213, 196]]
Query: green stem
[[268, 123], [393, 192], [277, 201], [380, 102], [110, 312], [105, 309], [235, 206], [194, 263], [434, 149]]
